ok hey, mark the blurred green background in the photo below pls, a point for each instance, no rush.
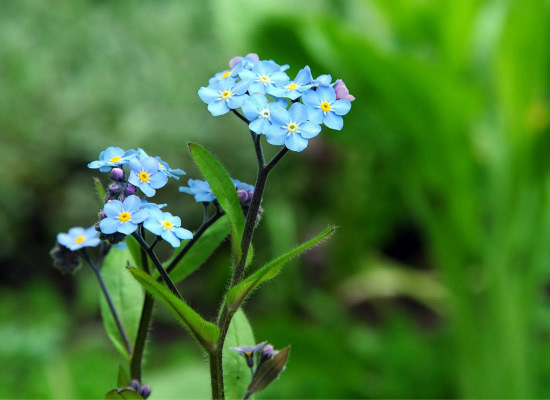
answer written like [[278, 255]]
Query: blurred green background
[[436, 285]]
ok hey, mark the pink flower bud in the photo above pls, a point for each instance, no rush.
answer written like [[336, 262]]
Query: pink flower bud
[[342, 91]]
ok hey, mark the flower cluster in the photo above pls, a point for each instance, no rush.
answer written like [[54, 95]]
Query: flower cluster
[[288, 111]]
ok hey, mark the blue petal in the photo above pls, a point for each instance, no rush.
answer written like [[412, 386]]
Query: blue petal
[[126, 228], [309, 129], [113, 208], [183, 234], [132, 204], [279, 116], [134, 165], [96, 164], [158, 180], [111, 152], [208, 95], [109, 225], [259, 125], [171, 238], [276, 135], [333, 121], [134, 179], [251, 109], [64, 239], [295, 142], [150, 165], [147, 189], [341, 107], [240, 87], [205, 197], [236, 101], [298, 113], [311, 98], [218, 107], [326, 93], [154, 226], [140, 216]]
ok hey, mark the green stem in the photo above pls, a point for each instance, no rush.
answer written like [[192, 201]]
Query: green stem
[[144, 322], [109, 300]]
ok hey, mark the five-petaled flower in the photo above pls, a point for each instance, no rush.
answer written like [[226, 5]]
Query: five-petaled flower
[[164, 167], [264, 77], [166, 226], [258, 111], [123, 217], [248, 352], [323, 107], [224, 95], [78, 238], [112, 157], [297, 87], [146, 175], [291, 127]]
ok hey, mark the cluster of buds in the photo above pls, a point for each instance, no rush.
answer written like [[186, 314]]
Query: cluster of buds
[[143, 390], [265, 364]]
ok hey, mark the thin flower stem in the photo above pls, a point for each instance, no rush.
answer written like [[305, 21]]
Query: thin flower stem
[[258, 147], [155, 243], [153, 257], [241, 117], [190, 244], [109, 300], [144, 323]]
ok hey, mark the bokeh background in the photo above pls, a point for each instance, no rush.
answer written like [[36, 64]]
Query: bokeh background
[[436, 285]]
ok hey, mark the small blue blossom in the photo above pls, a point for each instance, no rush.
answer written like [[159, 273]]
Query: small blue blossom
[[297, 87], [151, 206], [163, 165], [248, 352], [323, 107], [123, 217], [78, 238], [200, 189], [112, 157], [291, 127], [167, 226], [323, 80], [224, 95], [257, 110], [264, 77], [146, 175]]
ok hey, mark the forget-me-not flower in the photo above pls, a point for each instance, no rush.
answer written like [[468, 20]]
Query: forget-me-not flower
[[263, 77], [112, 157], [123, 217], [146, 175], [167, 226], [164, 167], [258, 111], [323, 107], [200, 189], [291, 127], [78, 238], [224, 95], [295, 88]]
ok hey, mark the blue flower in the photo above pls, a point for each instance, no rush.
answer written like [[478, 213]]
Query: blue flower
[[264, 77], [200, 189], [224, 95], [297, 87], [257, 110], [145, 174], [78, 238], [291, 127], [123, 217], [148, 206], [163, 165], [323, 107], [323, 80], [112, 157], [167, 226]]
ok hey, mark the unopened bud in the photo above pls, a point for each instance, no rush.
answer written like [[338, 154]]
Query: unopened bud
[[114, 188], [145, 391], [102, 215], [243, 196], [117, 174], [130, 189], [342, 91], [134, 384]]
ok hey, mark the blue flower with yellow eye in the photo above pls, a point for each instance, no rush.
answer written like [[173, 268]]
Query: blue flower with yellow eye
[[295, 88], [164, 167], [323, 107], [167, 226], [258, 111], [200, 189], [264, 77], [146, 175], [112, 157], [123, 217], [224, 95], [78, 238], [291, 127]]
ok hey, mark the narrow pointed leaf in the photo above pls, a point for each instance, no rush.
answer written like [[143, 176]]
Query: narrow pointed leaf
[[240, 292], [225, 192], [205, 332], [123, 378], [100, 190], [126, 295], [200, 251], [236, 374], [269, 371], [135, 249]]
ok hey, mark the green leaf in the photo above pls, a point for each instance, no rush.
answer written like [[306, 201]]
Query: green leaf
[[123, 378], [205, 332], [240, 292], [117, 394], [126, 295], [200, 251], [236, 374], [225, 192], [135, 249], [100, 191], [269, 371]]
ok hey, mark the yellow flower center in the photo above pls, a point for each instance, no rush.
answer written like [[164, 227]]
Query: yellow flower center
[[226, 74], [226, 94], [292, 86], [144, 176], [161, 166], [115, 159], [124, 216], [325, 106], [292, 127], [167, 225], [264, 79], [79, 239]]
